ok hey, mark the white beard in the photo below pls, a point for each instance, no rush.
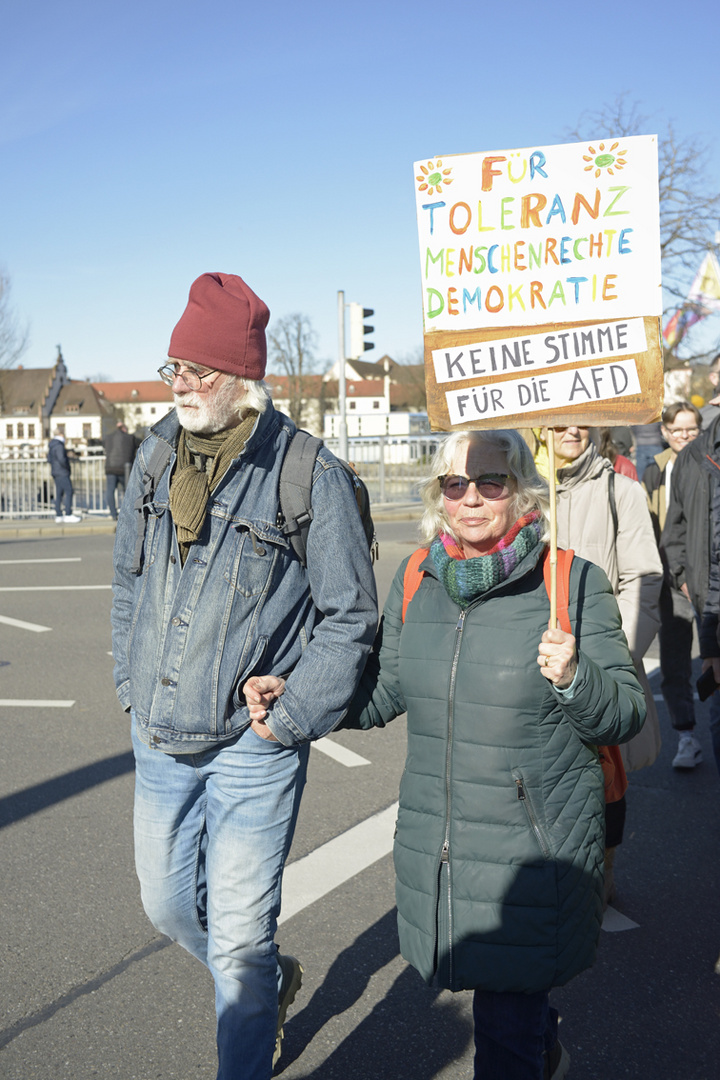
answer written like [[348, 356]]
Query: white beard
[[207, 414]]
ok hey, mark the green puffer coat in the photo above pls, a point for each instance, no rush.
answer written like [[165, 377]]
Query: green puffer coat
[[499, 842]]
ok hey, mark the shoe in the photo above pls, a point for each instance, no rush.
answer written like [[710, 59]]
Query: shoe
[[290, 983], [71, 518], [689, 752], [59, 519], [557, 1062]]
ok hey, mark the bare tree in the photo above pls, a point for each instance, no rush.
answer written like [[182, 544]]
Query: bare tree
[[689, 202], [292, 342], [13, 337], [412, 377]]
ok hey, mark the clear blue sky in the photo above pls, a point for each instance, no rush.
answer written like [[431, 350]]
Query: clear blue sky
[[143, 144]]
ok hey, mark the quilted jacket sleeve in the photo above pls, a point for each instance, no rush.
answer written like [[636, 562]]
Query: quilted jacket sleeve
[[608, 705], [379, 699]]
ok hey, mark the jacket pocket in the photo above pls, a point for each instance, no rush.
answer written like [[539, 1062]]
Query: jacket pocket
[[535, 827], [249, 564]]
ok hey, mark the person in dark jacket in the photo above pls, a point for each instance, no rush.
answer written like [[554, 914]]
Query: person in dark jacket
[[681, 423], [500, 831], [687, 536], [120, 448], [57, 455]]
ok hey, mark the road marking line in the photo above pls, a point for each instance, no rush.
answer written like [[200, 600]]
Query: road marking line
[[50, 588], [339, 753], [334, 863], [10, 703], [614, 921], [18, 562], [24, 625]]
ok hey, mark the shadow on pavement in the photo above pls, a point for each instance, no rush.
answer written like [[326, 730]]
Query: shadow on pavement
[[31, 800], [408, 1032]]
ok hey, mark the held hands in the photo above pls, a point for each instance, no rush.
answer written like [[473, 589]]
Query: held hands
[[557, 657], [260, 691]]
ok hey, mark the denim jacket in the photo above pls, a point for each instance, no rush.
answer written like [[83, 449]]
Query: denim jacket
[[186, 638]]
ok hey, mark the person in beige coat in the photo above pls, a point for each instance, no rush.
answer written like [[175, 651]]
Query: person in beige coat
[[604, 517]]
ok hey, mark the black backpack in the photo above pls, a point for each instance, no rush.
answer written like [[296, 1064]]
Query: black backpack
[[295, 513]]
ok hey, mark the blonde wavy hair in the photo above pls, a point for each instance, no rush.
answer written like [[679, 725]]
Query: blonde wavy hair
[[531, 491]]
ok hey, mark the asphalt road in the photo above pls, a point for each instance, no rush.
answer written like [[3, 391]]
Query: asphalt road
[[89, 989]]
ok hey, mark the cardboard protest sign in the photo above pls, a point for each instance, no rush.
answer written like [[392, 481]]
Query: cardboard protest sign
[[542, 285]]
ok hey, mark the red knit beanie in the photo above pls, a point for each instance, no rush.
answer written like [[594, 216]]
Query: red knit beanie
[[222, 327]]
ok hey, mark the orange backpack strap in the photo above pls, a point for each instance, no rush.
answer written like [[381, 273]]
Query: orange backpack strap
[[612, 763], [412, 577], [564, 562]]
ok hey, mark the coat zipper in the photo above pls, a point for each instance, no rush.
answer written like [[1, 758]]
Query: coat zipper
[[445, 852], [530, 811]]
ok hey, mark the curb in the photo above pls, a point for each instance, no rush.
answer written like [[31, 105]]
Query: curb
[[17, 530]]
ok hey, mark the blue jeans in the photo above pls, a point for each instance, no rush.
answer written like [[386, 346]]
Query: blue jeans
[[112, 483], [212, 832], [512, 1032], [63, 492]]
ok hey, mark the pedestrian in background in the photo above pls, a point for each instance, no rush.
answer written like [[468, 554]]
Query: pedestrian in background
[[687, 536], [681, 423], [57, 455], [603, 516], [710, 410], [615, 444], [120, 448]]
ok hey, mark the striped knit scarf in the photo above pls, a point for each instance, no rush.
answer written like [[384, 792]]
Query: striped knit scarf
[[465, 579]]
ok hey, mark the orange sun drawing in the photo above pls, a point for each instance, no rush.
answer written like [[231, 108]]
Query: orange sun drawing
[[433, 177], [604, 159]]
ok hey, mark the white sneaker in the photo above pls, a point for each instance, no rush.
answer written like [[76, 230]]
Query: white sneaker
[[59, 519], [689, 752], [71, 517]]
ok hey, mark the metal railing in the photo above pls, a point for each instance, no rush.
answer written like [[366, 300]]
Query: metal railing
[[27, 489], [391, 467]]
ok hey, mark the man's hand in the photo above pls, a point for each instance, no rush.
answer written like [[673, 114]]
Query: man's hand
[[557, 657], [685, 591], [260, 691]]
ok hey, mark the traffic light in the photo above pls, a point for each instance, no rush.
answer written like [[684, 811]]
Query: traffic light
[[358, 330]]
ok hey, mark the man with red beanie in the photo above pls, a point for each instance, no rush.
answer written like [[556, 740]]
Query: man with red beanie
[[208, 591]]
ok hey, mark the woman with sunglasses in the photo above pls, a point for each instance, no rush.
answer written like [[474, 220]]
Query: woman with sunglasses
[[499, 841]]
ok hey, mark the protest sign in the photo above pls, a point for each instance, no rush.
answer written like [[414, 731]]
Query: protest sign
[[541, 285]]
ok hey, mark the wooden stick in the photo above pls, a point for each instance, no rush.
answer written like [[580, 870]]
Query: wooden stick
[[553, 526]]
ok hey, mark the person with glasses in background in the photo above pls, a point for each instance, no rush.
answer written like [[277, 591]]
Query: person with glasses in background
[[692, 519], [499, 838], [681, 423]]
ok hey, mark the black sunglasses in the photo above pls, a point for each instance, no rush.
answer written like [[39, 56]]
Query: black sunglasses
[[489, 485]]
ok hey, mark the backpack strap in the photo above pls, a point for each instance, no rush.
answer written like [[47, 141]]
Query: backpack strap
[[155, 468], [295, 493], [613, 503], [564, 562], [412, 577], [611, 761]]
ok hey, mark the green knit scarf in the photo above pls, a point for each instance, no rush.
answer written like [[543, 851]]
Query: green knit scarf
[[465, 579], [191, 484]]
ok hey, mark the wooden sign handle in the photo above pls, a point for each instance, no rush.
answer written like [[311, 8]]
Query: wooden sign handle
[[553, 526]]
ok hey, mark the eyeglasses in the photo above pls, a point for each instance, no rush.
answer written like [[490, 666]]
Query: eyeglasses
[[169, 373], [683, 432], [489, 485]]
